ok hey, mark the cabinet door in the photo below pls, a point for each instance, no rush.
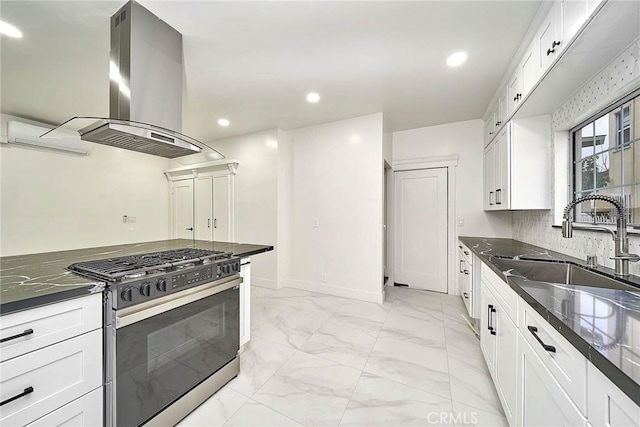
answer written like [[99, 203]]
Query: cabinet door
[[487, 334], [514, 91], [489, 177], [549, 38], [496, 116], [530, 69], [504, 106], [608, 405], [574, 13], [204, 208], [245, 301], [541, 401], [85, 411], [222, 208], [502, 170], [506, 363], [183, 209]]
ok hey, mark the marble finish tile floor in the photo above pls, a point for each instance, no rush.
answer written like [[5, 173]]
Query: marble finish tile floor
[[320, 360]]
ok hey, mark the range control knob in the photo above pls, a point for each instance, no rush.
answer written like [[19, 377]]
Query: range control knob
[[145, 289], [226, 268], [127, 294], [236, 266], [161, 285]]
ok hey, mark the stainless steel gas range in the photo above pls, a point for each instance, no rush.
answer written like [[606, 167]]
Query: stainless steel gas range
[[171, 332]]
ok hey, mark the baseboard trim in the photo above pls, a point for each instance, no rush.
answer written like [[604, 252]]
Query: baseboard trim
[[264, 283], [324, 288]]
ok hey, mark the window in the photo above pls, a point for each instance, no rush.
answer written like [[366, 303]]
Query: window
[[606, 160]]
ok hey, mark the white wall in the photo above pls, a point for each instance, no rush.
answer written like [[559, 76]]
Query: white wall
[[466, 140], [284, 243], [337, 182], [256, 198], [54, 201]]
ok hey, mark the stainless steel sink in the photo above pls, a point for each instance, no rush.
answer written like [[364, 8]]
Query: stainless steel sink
[[556, 272]]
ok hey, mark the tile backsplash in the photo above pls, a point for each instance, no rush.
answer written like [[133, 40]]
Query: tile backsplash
[[535, 227]]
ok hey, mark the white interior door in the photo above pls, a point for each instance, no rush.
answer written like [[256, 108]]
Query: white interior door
[[204, 208], [421, 229], [183, 209], [222, 209]]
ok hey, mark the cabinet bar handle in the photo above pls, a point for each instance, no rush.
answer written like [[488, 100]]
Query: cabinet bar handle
[[460, 267], [13, 337], [208, 222], [466, 295], [26, 391], [499, 199], [215, 222], [466, 252], [547, 347], [489, 327], [490, 198], [493, 329]]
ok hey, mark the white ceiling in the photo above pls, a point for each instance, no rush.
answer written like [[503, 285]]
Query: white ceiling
[[254, 62]]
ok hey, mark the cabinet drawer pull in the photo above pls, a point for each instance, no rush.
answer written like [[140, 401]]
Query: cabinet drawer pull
[[550, 51], [489, 327], [13, 337], [547, 347], [555, 43], [466, 252], [466, 295], [493, 329], [26, 391], [466, 272]]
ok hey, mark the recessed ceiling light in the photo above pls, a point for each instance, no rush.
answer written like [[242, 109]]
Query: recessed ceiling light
[[456, 59], [9, 30], [313, 97], [223, 122]]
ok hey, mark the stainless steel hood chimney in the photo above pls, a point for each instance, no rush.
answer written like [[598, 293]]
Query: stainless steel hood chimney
[[145, 92]]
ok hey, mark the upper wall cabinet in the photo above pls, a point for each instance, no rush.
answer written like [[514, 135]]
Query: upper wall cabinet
[[549, 40], [517, 166], [574, 40]]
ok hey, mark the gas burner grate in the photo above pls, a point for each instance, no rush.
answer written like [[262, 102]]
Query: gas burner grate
[[115, 269]]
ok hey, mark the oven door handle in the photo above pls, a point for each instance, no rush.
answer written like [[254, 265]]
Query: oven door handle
[[130, 315]]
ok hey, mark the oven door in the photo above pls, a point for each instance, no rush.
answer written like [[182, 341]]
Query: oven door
[[166, 347]]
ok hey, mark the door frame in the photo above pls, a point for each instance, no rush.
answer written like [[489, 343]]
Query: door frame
[[451, 163]]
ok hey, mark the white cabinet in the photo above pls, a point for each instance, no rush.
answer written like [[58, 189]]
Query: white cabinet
[[202, 207], [549, 37], [213, 208], [487, 335], [245, 301], [30, 330], [530, 70], [514, 92], [505, 370], [469, 280], [608, 406], [542, 401], [517, 165], [574, 14], [46, 379], [85, 411], [498, 342]]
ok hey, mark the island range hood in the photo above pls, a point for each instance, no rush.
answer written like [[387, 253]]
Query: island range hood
[[145, 91]]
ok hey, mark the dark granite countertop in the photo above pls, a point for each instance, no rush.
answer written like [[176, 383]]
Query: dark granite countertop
[[28, 281], [602, 323]]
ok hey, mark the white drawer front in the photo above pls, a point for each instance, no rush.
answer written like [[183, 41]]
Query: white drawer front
[[83, 412], [58, 374], [506, 296], [50, 324], [568, 365]]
